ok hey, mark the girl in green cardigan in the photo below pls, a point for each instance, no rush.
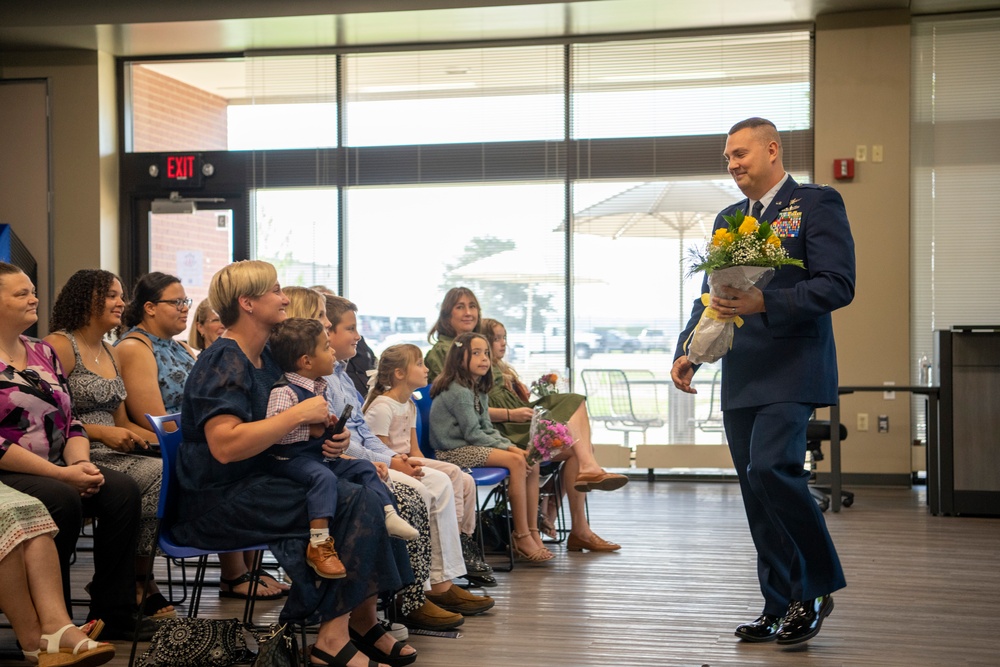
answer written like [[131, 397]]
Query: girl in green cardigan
[[461, 433], [511, 413]]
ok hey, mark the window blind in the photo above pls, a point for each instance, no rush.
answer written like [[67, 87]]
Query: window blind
[[954, 172]]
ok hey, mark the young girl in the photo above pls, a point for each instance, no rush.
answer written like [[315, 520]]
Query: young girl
[[392, 416], [461, 433]]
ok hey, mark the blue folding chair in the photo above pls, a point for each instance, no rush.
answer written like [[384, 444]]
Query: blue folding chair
[[170, 442], [485, 476]]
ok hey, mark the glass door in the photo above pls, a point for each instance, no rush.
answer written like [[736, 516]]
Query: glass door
[[190, 240]]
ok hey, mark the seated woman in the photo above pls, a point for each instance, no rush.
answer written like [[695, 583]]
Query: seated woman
[[45, 452], [222, 473], [155, 367], [89, 306], [206, 327], [31, 594], [511, 413]]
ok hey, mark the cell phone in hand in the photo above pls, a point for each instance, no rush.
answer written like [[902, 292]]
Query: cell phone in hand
[[338, 426]]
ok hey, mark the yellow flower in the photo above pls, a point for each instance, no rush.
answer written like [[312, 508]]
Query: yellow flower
[[722, 237], [774, 240], [749, 225]]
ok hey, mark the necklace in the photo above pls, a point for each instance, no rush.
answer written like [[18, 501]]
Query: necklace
[[100, 347], [9, 355]]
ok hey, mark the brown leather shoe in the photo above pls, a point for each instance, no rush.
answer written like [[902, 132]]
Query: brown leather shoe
[[594, 543], [461, 601], [324, 560], [602, 481], [429, 616]]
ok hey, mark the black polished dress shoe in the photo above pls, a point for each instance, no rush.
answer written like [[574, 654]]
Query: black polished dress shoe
[[764, 629], [803, 620]]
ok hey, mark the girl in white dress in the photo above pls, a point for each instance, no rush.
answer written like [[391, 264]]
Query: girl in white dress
[[392, 416]]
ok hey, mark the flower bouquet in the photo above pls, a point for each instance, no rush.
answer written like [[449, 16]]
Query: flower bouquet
[[742, 255], [545, 385], [548, 437]]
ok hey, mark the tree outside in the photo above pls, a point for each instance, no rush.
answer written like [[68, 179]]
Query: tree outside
[[501, 300]]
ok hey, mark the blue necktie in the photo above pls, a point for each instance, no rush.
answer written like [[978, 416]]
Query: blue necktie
[[758, 208]]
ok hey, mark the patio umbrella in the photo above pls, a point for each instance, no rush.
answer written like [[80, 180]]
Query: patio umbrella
[[663, 209], [660, 209], [537, 263]]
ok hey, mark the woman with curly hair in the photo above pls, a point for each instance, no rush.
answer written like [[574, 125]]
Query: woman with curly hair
[[89, 306]]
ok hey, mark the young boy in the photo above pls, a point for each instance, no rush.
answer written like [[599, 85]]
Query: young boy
[[445, 604], [302, 349]]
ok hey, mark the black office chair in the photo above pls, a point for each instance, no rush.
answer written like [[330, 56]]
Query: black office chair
[[817, 431]]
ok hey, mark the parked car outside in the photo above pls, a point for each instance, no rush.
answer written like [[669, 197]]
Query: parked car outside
[[655, 339], [615, 339]]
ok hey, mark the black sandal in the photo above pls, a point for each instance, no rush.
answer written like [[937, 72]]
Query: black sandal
[[155, 603], [261, 572], [339, 660], [367, 645], [244, 579]]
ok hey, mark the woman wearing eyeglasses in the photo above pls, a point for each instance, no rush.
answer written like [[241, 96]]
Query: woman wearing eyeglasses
[[45, 453], [154, 365]]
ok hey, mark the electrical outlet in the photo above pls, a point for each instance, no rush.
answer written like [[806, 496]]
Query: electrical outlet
[[883, 423], [861, 153], [877, 152], [862, 421]]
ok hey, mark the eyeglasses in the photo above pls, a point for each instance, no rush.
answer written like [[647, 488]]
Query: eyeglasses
[[178, 303], [34, 379]]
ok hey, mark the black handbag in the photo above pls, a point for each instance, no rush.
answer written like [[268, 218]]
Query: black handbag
[[276, 648], [494, 522]]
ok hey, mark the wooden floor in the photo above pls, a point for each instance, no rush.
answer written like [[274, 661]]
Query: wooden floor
[[922, 590]]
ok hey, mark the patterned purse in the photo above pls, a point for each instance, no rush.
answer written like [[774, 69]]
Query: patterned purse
[[197, 642]]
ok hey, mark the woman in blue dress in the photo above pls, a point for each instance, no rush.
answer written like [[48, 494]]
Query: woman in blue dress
[[222, 473], [155, 368]]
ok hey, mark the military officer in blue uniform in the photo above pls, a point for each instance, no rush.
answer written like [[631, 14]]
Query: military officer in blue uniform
[[782, 365]]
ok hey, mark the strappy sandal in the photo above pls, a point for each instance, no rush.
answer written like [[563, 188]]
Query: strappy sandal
[[246, 578], [339, 660], [545, 549], [86, 653], [548, 527], [260, 573], [366, 643], [539, 555]]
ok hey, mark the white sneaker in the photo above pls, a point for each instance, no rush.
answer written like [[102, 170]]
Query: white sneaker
[[397, 630]]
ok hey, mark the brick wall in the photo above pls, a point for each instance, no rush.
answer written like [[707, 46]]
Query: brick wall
[[191, 247], [169, 115]]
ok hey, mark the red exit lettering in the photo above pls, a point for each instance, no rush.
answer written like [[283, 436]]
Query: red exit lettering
[[180, 167]]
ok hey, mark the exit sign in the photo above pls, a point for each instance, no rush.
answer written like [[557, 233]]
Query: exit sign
[[181, 170]]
